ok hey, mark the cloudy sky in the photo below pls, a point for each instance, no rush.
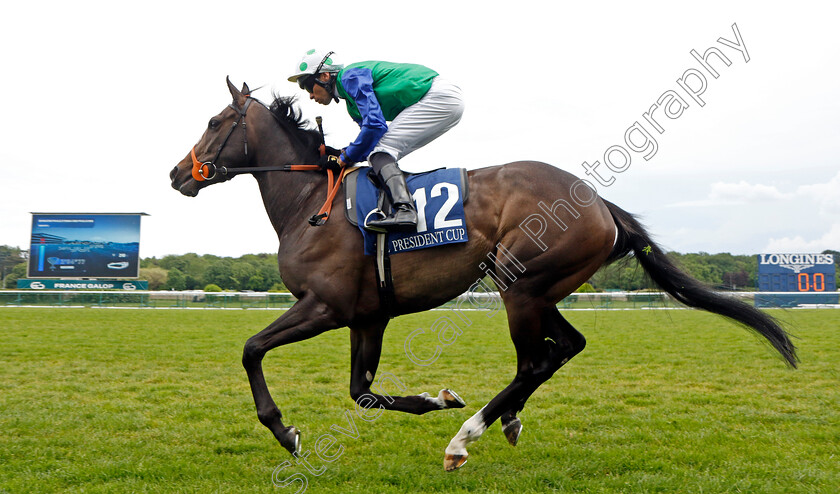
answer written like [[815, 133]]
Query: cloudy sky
[[102, 99]]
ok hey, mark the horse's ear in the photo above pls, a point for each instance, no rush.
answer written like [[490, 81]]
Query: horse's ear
[[238, 96], [245, 89]]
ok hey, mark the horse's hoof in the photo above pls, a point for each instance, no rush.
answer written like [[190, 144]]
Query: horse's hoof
[[290, 439], [454, 462], [512, 431], [451, 399]]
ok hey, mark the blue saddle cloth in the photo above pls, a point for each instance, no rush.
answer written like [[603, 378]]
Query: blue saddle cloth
[[439, 197]]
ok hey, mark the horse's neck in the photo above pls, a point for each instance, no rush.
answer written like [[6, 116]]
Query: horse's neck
[[292, 197], [289, 195]]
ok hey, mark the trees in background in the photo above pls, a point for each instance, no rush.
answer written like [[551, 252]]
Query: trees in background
[[255, 272], [722, 271], [258, 272], [12, 266]]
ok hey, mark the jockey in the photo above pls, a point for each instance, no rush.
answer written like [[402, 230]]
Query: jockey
[[420, 105]]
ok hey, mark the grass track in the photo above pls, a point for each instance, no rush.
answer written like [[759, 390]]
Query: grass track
[[660, 401]]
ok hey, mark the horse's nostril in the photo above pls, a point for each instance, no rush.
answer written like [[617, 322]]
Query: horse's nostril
[[173, 173]]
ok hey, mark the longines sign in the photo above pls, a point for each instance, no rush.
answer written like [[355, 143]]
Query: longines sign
[[795, 262]]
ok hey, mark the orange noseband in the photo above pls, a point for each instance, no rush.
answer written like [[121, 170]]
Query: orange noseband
[[201, 171]]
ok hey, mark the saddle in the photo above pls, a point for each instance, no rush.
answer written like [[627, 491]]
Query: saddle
[[439, 196]]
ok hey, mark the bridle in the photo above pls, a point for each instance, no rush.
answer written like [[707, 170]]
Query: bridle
[[208, 169]]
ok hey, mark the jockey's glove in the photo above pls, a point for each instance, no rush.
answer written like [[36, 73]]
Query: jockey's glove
[[329, 161], [331, 151]]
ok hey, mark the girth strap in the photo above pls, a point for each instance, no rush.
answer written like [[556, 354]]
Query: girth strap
[[384, 279]]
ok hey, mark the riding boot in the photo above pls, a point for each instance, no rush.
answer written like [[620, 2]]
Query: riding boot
[[403, 216]]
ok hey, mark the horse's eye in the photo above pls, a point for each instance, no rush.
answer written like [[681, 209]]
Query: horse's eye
[[213, 124]]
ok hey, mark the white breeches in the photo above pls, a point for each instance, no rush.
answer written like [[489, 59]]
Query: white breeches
[[421, 123]]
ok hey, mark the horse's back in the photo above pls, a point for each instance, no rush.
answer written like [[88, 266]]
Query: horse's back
[[525, 194]]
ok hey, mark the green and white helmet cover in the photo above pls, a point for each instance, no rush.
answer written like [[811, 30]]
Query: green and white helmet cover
[[312, 60]]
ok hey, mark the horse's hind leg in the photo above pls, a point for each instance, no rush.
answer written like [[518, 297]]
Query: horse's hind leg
[[564, 342], [544, 341], [365, 350]]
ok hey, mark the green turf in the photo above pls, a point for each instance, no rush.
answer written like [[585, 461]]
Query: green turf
[[96, 400]]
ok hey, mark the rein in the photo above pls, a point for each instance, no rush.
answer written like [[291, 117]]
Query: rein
[[208, 170]]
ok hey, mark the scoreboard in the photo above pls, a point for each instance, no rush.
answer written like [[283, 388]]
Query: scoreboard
[[802, 274], [796, 273]]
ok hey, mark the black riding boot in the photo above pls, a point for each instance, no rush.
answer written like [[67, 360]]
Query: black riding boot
[[403, 217]]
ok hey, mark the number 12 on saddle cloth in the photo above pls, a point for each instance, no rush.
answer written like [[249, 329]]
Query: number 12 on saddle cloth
[[439, 197]]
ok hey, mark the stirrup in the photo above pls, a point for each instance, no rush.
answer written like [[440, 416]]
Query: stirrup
[[372, 228], [391, 223]]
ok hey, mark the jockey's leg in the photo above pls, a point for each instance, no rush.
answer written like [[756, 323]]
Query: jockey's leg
[[403, 216], [421, 123]]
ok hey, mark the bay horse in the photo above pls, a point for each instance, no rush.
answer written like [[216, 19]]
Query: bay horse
[[538, 227]]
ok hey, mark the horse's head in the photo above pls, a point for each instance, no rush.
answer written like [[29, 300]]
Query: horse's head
[[224, 143]]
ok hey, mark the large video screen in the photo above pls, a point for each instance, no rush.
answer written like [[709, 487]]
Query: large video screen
[[66, 245]]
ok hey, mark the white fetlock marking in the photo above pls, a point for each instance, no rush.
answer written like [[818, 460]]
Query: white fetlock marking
[[469, 433], [437, 400], [440, 400]]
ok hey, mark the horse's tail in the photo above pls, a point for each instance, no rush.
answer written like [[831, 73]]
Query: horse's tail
[[687, 290]]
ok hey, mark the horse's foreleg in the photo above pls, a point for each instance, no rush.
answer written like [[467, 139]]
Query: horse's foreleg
[[305, 319], [543, 344], [368, 392]]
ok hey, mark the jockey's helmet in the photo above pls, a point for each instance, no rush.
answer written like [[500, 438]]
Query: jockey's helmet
[[315, 62]]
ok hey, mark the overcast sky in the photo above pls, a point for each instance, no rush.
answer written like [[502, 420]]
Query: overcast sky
[[102, 99]]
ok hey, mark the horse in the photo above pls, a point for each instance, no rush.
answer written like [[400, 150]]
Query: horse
[[539, 231]]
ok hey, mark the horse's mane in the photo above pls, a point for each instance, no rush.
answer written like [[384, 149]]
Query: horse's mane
[[291, 120]]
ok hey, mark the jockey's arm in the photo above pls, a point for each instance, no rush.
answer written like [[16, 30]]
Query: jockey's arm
[[359, 86]]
